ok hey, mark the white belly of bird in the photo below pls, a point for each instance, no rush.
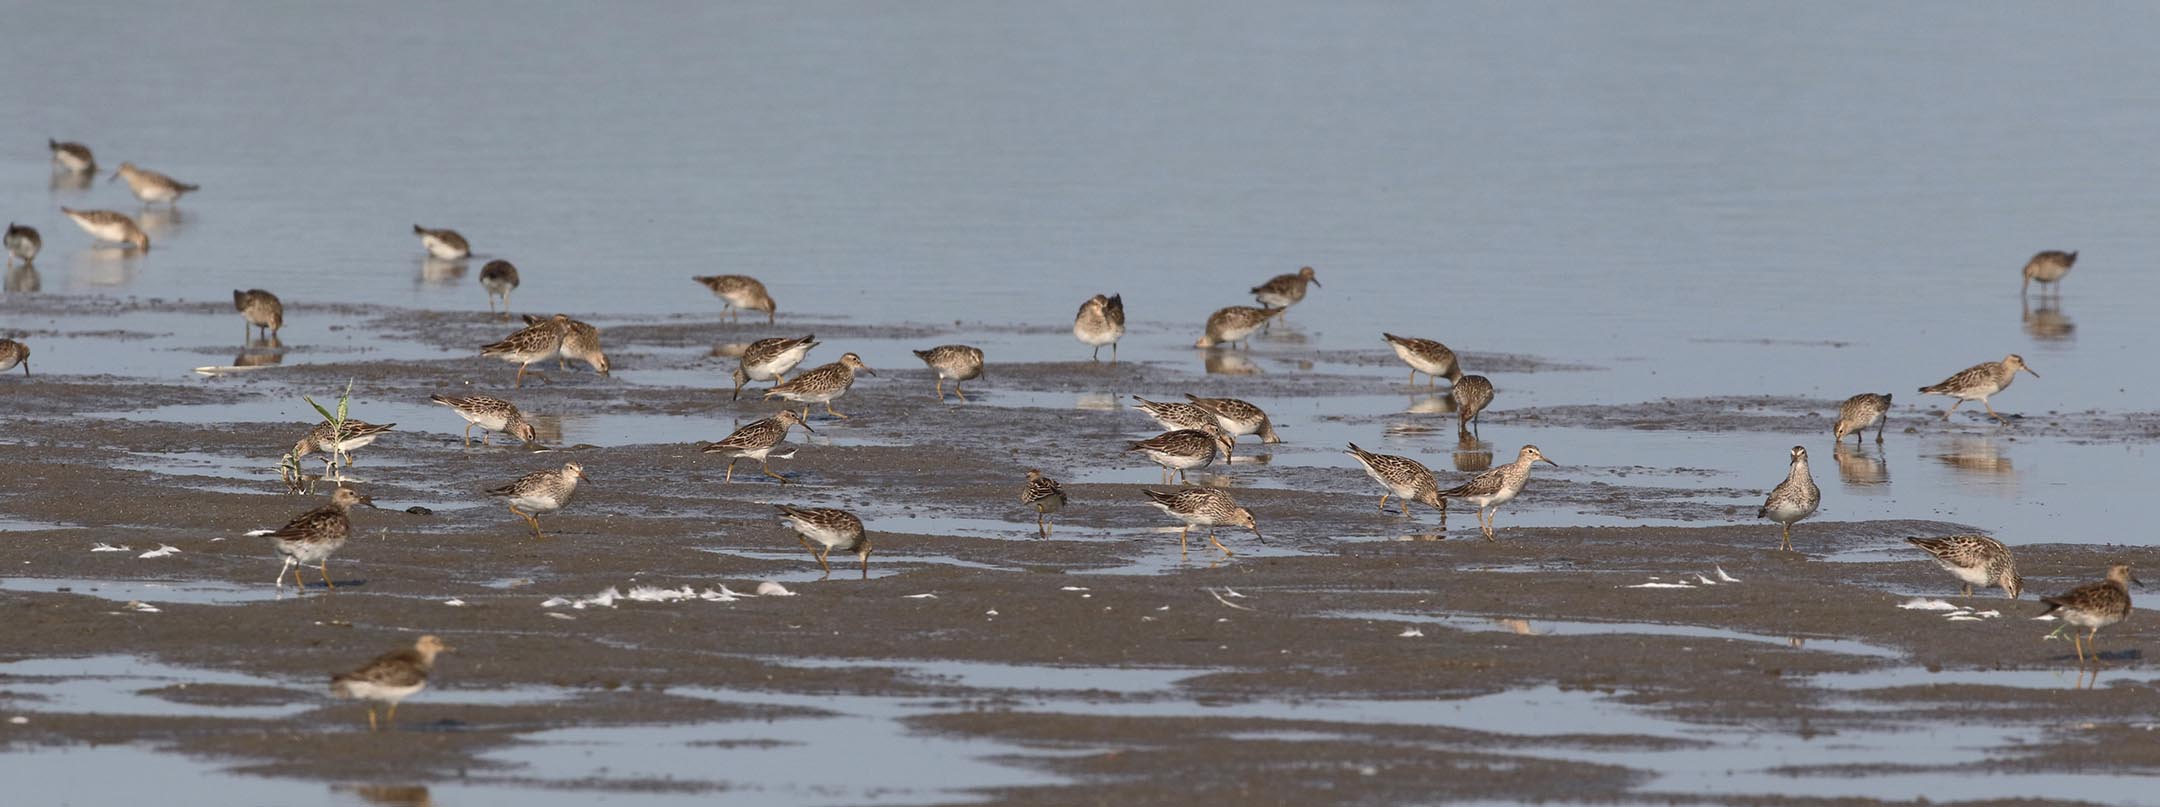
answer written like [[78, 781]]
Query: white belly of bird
[[440, 248], [537, 504], [70, 161], [309, 552], [2086, 619], [1235, 333], [1274, 300], [153, 192], [362, 441], [1238, 428], [812, 396], [778, 366], [533, 357], [9, 363], [1195, 519], [1975, 575], [1179, 462], [1417, 362], [371, 691], [1495, 500], [2050, 273], [740, 299], [821, 535], [114, 231], [21, 247], [1407, 491], [1097, 336], [1789, 512], [491, 421], [758, 454]]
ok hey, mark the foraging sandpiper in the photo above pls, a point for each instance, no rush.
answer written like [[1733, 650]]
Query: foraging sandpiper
[[259, 309], [822, 384], [1402, 477], [2047, 267], [13, 353], [312, 537], [1979, 381], [1235, 324], [444, 244], [1283, 291], [581, 342], [1173, 415], [23, 243], [535, 344], [1488, 490], [957, 362], [492, 415], [2094, 606], [106, 225], [1101, 321], [832, 529], [1472, 393], [740, 293], [771, 360], [1045, 495], [756, 441], [1793, 499], [390, 678], [499, 277], [74, 157], [1186, 449], [541, 492], [353, 436], [1236, 417], [1861, 411], [152, 187], [1975, 560], [1203, 507], [1426, 356]]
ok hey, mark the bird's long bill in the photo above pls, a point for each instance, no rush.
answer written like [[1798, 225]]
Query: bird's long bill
[[369, 501], [2140, 583], [1548, 461], [1256, 534], [582, 477], [806, 427], [866, 368], [1314, 281], [116, 175], [2030, 370]]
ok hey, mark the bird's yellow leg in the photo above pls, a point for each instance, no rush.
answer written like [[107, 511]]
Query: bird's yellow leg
[[835, 413], [731, 470], [1181, 539], [325, 569], [468, 434], [1218, 542], [371, 717], [941, 388], [391, 718], [956, 391], [767, 468], [1383, 500]]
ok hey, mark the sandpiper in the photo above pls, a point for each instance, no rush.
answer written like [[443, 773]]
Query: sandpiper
[[152, 187], [1401, 477], [1861, 411], [106, 225], [1173, 415], [1203, 507], [355, 435], [312, 537], [757, 441], [1101, 321], [541, 492], [832, 529], [1043, 494], [23, 243], [1426, 356], [1979, 381], [1236, 417], [260, 309], [2094, 606], [740, 293], [390, 678], [13, 353], [491, 414], [2047, 267], [1793, 499], [581, 341], [72, 156], [1235, 324], [1472, 394], [1975, 560], [771, 360], [957, 362], [537, 343], [499, 278], [822, 384], [1185, 449], [1283, 291], [444, 244], [1496, 487]]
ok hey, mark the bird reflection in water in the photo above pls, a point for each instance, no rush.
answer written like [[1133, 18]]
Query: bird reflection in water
[[1443, 404], [24, 279], [1471, 454], [266, 352], [1976, 456], [1225, 362], [2047, 322], [441, 272], [1097, 402], [103, 266], [389, 795], [65, 180], [547, 429], [160, 221], [1861, 467]]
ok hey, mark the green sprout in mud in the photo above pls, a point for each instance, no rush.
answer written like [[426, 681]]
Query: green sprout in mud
[[289, 469]]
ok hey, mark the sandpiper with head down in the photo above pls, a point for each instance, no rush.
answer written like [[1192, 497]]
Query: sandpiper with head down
[[1186, 449], [1044, 495], [1173, 415], [822, 385], [312, 537], [1861, 411], [757, 440], [1975, 560], [259, 309], [1236, 417], [541, 492], [493, 415], [106, 225], [771, 360], [1203, 507], [1488, 490], [581, 341], [13, 353], [390, 678], [1402, 477], [444, 244], [1101, 321], [1235, 324], [499, 278], [831, 528], [1426, 356], [1979, 381], [341, 441], [740, 293], [1472, 393], [957, 362], [71, 156], [23, 243], [536, 343], [2047, 267]]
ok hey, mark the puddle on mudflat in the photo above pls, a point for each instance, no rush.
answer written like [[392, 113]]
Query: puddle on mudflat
[[191, 592], [129, 685], [994, 675], [9, 524], [1547, 627], [844, 566], [2043, 678]]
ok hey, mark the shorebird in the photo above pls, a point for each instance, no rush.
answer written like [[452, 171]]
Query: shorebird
[[581, 341], [1979, 381], [832, 529], [1793, 499], [390, 678], [1235, 324], [957, 362], [1472, 394], [1236, 417], [1203, 507], [822, 384], [1975, 560], [444, 244], [1426, 356], [13, 353], [1173, 415], [260, 309], [1101, 321], [72, 156], [2094, 606], [499, 278], [1861, 411], [355, 435], [105, 225], [1402, 477], [757, 440], [152, 187], [541, 492], [2047, 267], [312, 537], [740, 293], [1283, 291], [23, 243], [1488, 490], [537, 343], [771, 359], [1185, 449], [491, 414], [1043, 494]]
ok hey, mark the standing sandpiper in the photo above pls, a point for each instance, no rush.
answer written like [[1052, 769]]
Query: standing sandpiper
[[757, 441], [957, 362], [1043, 494], [1426, 356], [1283, 291], [492, 415], [1173, 415], [1185, 449], [1402, 477], [832, 529], [106, 225], [1203, 507], [23, 243], [1496, 487], [581, 341], [13, 353], [1236, 417], [1861, 411], [152, 187], [537, 343], [1793, 499], [740, 293], [72, 156], [1235, 324], [1101, 321], [1979, 381], [822, 384], [352, 436], [541, 492], [444, 244], [1472, 393], [499, 278], [2094, 606], [1975, 560], [771, 360], [312, 537], [2048, 268], [260, 309], [390, 678]]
